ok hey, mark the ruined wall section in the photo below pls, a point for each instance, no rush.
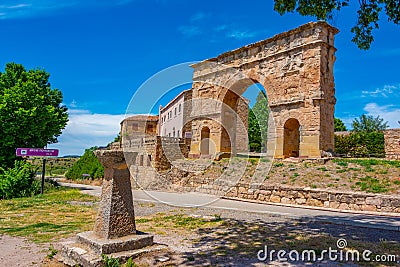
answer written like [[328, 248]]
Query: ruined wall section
[[392, 143]]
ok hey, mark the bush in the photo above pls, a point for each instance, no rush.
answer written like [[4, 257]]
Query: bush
[[361, 144], [87, 164], [18, 181]]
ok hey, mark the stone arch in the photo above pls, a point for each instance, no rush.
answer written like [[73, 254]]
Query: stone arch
[[234, 116], [296, 70], [291, 138]]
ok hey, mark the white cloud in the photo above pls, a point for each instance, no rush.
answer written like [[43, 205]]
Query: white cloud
[[10, 9], [85, 130], [198, 16], [385, 91], [388, 113], [189, 31], [240, 34]]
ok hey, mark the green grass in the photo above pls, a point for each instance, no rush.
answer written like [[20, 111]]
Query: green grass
[[373, 185], [368, 162], [279, 164], [48, 217]]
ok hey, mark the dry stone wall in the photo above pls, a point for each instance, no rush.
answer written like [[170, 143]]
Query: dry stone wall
[[318, 198]]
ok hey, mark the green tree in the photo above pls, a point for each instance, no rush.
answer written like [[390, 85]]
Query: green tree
[[258, 122], [369, 124], [31, 112], [367, 20], [87, 164], [339, 125], [254, 133]]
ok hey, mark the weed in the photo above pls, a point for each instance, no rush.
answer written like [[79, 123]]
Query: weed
[[130, 263], [296, 174], [110, 261], [52, 252], [264, 160], [341, 171], [313, 186], [323, 168], [342, 163], [190, 258], [329, 185], [279, 164], [397, 182], [369, 169]]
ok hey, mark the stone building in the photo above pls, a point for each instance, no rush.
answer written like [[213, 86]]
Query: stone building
[[173, 118]]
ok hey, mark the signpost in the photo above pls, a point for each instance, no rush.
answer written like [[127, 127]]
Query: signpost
[[38, 152]]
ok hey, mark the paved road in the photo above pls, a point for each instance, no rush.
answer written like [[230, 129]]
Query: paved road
[[194, 199]]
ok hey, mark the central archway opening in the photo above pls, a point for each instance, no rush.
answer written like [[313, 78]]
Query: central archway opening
[[245, 118], [291, 138]]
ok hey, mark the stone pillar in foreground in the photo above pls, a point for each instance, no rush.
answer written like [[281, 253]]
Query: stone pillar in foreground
[[116, 216], [114, 232]]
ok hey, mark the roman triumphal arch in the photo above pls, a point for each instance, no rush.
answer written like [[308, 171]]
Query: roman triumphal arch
[[296, 70]]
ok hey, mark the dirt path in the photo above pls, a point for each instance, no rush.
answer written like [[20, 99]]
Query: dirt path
[[17, 251]]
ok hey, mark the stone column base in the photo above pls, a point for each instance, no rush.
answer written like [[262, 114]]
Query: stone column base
[[88, 248]]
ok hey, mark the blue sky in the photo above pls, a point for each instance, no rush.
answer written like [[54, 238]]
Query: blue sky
[[100, 52]]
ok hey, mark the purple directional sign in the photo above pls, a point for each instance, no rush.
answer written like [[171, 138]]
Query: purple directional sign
[[40, 152]]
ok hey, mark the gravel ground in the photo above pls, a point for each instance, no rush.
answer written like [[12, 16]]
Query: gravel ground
[[17, 251], [199, 248], [202, 251]]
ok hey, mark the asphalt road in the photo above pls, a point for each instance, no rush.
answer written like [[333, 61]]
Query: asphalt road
[[193, 199]]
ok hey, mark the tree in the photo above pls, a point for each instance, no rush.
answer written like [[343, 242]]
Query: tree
[[369, 124], [254, 133], [258, 122], [87, 164], [31, 112], [339, 125], [368, 14]]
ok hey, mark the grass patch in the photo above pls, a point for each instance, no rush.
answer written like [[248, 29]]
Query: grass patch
[[48, 217], [369, 162], [178, 223], [279, 164], [373, 185]]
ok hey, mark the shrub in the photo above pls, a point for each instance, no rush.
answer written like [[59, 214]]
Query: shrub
[[87, 164], [361, 144], [18, 181]]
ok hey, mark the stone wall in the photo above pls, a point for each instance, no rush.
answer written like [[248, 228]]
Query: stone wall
[[392, 143], [318, 198]]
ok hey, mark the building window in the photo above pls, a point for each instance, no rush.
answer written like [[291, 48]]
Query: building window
[[175, 111], [173, 132], [135, 126], [150, 127], [178, 134], [180, 107]]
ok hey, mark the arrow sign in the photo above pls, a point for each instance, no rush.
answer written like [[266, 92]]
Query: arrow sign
[[40, 152]]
